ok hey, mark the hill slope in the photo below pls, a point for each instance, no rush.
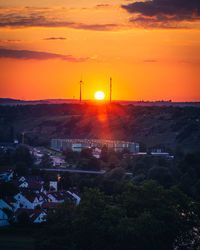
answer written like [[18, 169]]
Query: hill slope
[[153, 126]]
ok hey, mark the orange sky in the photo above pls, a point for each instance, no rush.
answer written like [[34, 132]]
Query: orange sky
[[48, 46]]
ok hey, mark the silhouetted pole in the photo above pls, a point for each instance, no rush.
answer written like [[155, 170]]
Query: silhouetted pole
[[80, 90], [23, 138], [23, 134], [110, 90]]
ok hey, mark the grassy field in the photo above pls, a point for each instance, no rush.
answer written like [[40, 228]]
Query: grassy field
[[48, 150]]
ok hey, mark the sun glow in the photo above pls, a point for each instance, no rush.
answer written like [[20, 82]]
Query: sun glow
[[99, 95]]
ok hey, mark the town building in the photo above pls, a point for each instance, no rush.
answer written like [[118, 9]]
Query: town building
[[77, 145], [6, 173], [33, 200]]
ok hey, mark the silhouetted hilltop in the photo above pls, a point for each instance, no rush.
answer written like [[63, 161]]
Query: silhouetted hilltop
[[12, 102]]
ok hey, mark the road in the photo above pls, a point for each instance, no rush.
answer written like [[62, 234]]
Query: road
[[78, 171]]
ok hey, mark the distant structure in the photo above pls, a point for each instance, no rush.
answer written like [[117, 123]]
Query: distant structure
[[53, 185], [77, 145], [23, 134], [81, 82], [110, 90], [23, 138]]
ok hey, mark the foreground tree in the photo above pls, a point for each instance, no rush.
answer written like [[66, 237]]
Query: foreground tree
[[8, 189], [140, 218], [22, 154]]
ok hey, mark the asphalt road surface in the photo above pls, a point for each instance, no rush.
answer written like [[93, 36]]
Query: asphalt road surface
[[73, 170]]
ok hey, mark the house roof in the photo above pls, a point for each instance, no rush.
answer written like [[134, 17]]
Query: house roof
[[34, 182], [33, 178], [6, 169], [29, 195], [36, 214], [3, 212], [75, 191], [16, 182], [46, 205], [44, 196], [22, 210], [32, 213], [34, 185], [62, 195], [9, 200]]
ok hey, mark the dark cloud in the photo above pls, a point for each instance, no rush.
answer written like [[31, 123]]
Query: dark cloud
[[36, 55], [150, 61], [55, 38], [103, 6], [11, 41], [15, 21], [97, 27], [164, 13]]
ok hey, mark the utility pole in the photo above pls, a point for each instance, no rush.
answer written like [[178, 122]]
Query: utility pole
[[23, 138], [23, 135], [110, 90], [81, 82]]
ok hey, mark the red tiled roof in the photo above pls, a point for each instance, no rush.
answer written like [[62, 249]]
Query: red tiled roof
[[10, 200], [22, 210], [34, 185], [33, 178], [32, 213], [6, 168], [62, 195], [36, 213], [49, 205], [29, 195]]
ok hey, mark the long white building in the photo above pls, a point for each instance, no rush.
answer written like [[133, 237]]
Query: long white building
[[78, 144]]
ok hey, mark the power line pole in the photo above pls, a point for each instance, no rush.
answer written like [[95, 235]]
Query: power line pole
[[23, 138], [81, 82], [110, 90]]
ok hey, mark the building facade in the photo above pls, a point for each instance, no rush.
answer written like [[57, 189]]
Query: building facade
[[77, 145]]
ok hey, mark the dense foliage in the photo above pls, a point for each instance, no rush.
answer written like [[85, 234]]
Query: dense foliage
[[7, 189], [140, 218], [20, 158], [141, 202], [166, 127], [182, 172]]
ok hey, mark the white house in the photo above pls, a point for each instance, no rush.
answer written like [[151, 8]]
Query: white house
[[53, 198], [57, 161], [6, 173], [3, 218], [12, 202], [23, 185], [31, 178], [77, 198], [22, 179], [53, 185], [34, 183], [60, 196], [96, 152], [4, 204], [36, 215], [28, 200]]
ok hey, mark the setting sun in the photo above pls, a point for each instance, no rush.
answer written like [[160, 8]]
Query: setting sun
[[99, 95]]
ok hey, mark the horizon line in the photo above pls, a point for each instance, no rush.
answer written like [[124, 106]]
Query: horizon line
[[96, 101]]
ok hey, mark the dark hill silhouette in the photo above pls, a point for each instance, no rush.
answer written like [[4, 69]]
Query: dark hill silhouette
[[154, 126]]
